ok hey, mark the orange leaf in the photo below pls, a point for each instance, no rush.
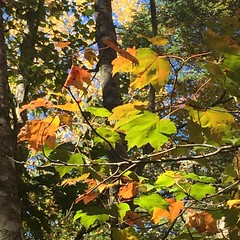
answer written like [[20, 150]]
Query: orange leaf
[[122, 52], [76, 77], [37, 133], [201, 221], [128, 191], [158, 214], [175, 208], [73, 181], [40, 102], [121, 64], [62, 44], [173, 211]]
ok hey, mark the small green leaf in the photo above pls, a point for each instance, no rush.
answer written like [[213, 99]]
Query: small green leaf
[[151, 201], [200, 190], [74, 159], [122, 209], [98, 111], [89, 216], [109, 134], [166, 179]]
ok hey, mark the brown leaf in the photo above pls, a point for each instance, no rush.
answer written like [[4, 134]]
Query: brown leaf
[[90, 55], [128, 191], [122, 52], [132, 218], [77, 77], [40, 102], [201, 221], [86, 197]]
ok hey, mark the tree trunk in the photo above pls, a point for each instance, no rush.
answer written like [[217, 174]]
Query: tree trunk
[[10, 216], [105, 30]]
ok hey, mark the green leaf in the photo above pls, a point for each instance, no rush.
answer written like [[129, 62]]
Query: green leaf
[[90, 215], [122, 209], [203, 179], [166, 179], [148, 129], [151, 201], [200, 190], [98, 112], [74, 159], [109, 134]]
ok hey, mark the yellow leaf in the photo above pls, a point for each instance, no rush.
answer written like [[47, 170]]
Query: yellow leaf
[[156, 73], [157, 40], [127, 110], [73, 107], [233, 203], [122, 64]]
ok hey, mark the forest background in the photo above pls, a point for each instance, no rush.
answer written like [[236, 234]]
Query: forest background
[[119, 119]]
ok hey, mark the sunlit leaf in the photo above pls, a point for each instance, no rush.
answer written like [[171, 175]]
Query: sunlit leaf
[[39, 132], [40, 102], [73, 107], [200, 190], [215, 119], [98, 111], [121, 64], [128, 191], [150, 202], [122, 209], [77, 76], [157, 40], [62, 44], [233, 203]]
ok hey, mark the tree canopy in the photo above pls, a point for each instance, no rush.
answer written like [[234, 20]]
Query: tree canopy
[[125, 128]]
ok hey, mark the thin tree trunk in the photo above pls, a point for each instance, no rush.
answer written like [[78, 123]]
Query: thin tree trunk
[[10, 216], [110, 84], [105, 30]]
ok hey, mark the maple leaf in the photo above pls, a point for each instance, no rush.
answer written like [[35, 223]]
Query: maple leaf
[[201, 221], [40, 102], [76, 77], [39, 132], [121, 64], [72, 107], [128, 191], [173, 211], [73, 181], [122, 52]]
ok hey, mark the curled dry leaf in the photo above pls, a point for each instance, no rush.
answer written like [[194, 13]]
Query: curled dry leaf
[[201, 221], [76, 77]]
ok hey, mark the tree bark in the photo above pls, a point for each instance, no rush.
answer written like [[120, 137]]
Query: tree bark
[[10, 215], [105, 30]]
